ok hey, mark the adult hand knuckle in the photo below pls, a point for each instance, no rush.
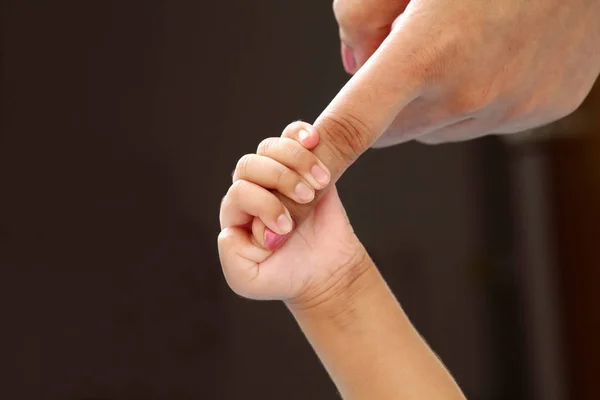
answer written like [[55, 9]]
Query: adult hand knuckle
[[436, 56], [470, 100], [347, 133]]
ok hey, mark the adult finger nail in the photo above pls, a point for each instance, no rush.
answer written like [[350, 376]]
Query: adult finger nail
[[348, 58]]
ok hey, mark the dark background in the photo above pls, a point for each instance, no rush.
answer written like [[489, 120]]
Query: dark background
[[121, 123]]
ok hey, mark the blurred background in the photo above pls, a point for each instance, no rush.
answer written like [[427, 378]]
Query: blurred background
[[120, 125]]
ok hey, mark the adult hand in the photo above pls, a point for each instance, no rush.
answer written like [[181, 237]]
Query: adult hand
[[447, 70], [450, 70]]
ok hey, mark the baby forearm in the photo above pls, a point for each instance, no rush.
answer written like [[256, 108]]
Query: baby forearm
[[369, 346]]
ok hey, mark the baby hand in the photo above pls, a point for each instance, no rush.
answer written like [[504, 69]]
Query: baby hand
[[263, 254]]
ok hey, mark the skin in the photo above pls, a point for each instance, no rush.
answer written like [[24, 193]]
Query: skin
[[324, 275], [473, 67], [445, 70], [320, 251], [428, 70]]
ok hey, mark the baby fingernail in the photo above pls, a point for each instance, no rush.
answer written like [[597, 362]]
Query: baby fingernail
[[303, 134], [284, 223], [303, 192], [273, 240], [320, 175]]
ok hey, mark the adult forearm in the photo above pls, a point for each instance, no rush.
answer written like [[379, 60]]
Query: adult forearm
[[369, 346]]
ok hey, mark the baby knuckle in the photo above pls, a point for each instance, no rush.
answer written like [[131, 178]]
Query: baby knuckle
[[298, 153], [280, 177], [241, 169], [235, 191], [226, 239], [266, 145]]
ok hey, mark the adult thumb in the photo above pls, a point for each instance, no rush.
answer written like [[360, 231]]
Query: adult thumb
[[364, 24]]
